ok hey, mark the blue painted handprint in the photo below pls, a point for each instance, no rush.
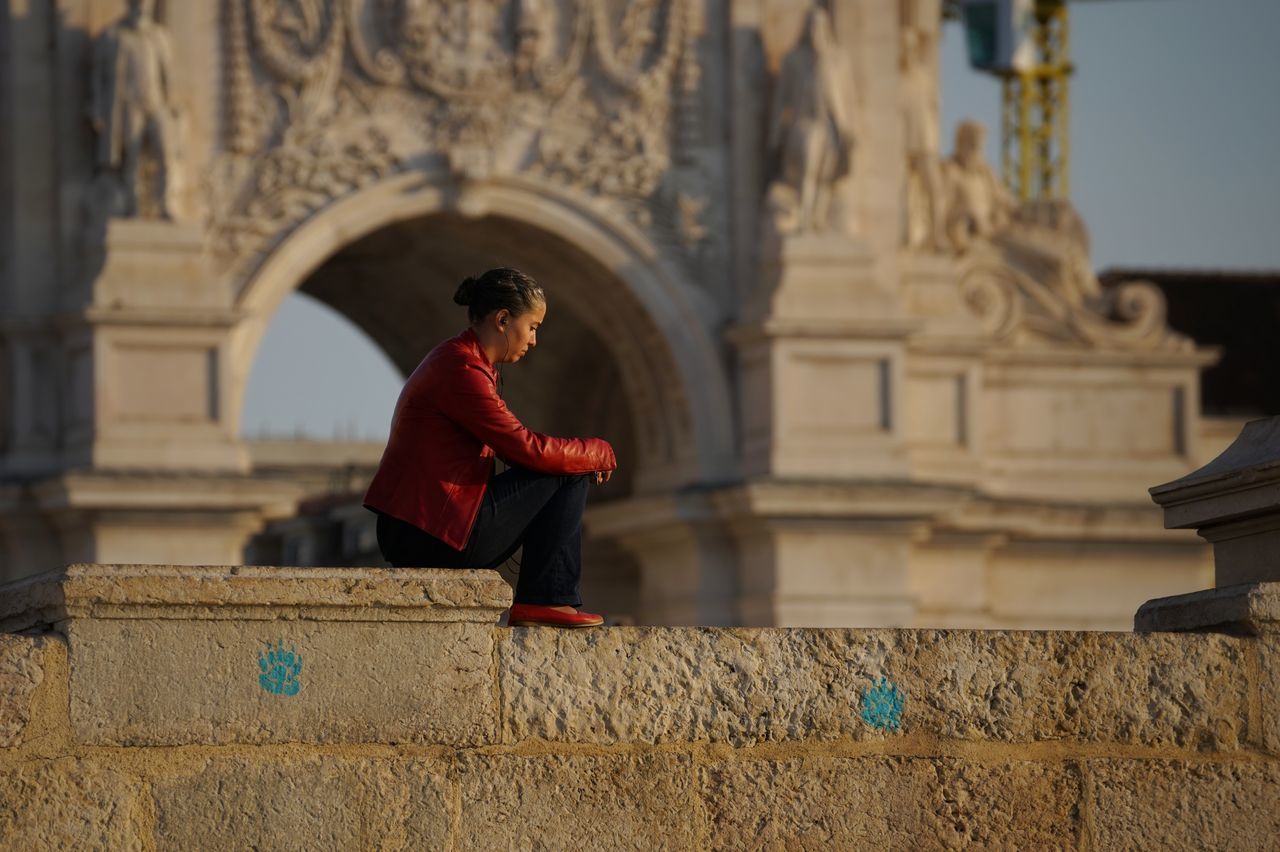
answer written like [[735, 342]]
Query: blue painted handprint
[[280, 669], [882, 705]]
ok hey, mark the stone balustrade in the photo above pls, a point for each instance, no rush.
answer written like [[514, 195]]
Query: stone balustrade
[[166, 707]]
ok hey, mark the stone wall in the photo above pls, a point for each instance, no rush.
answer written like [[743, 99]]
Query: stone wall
[[396, 715]]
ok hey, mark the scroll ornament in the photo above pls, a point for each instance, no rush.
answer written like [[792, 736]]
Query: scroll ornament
[[1017, 309]]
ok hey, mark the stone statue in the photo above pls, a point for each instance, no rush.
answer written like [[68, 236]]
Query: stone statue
[[810, 132], [920, 20], [132, 111], [535, 32], [978, 203]]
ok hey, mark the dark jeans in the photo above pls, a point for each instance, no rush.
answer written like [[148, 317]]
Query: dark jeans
[[542, 512]]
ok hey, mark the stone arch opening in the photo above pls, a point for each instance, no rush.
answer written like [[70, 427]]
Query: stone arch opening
[[626, 352], [396, 284], [389, 257], [308, 350]]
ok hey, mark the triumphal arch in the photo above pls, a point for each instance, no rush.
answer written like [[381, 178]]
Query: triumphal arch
[[851, 379]]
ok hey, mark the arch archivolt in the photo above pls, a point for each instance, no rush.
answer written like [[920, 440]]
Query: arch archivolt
[[647, 316]]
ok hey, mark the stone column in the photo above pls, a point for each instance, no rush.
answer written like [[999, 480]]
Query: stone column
[[1233, 502], [164, 655]]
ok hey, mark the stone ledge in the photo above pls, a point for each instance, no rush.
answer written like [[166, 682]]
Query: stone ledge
[[253, 594], [21, 671], [1249, 609], [746, 686]]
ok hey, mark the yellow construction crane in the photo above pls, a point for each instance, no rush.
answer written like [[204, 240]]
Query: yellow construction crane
[[1024, 43]]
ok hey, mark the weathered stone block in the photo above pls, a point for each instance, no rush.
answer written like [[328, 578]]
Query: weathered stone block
[[157, 682], [573, 802], [1248, 609], [68, 804], [1269, 692], [1157, 804], [320, 803], [907, 803], [1153, 690], [742, 686], [21, 671]]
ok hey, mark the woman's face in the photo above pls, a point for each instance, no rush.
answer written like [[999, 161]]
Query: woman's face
[[521, 332]]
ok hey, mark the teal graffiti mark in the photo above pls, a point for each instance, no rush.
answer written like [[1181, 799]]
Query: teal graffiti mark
[[882, 705], [280, 669]]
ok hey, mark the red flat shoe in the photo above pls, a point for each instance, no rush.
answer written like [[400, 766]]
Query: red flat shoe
[[523, 615]]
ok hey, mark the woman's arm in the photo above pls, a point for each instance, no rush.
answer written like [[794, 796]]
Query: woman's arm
[[470, 400]]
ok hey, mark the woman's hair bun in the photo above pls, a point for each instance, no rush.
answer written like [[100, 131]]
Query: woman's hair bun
[[499, 289], [463, 294]]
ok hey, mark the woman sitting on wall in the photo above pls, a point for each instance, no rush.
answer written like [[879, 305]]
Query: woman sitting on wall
[[438, 501]]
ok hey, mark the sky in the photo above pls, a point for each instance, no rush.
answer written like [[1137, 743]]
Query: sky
[[1175, 163]]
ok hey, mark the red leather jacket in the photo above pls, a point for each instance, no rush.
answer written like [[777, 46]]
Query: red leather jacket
[[448, 424]]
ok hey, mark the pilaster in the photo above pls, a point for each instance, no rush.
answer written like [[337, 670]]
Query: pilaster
[[149, 356], [821, 361]]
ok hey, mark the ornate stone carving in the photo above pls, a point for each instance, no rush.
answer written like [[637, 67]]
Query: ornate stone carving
[[296, 179], [978, 203], [1026, 272], [135, 116], [536, 25], [691, 210], [1018, 310], [1048, 240], [920, 22], [579, 92], [810, 138]]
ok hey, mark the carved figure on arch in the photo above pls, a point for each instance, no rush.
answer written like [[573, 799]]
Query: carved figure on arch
[[810, 130], [978, 203], [134, 114], [535, 33], [920, 20]]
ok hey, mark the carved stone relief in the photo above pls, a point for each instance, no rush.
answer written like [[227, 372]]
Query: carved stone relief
[[920, 21], [135, 118], [1026, 271], [1017, 310], [977, 202], [1048, 240], [810, 134], [326, 95]]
